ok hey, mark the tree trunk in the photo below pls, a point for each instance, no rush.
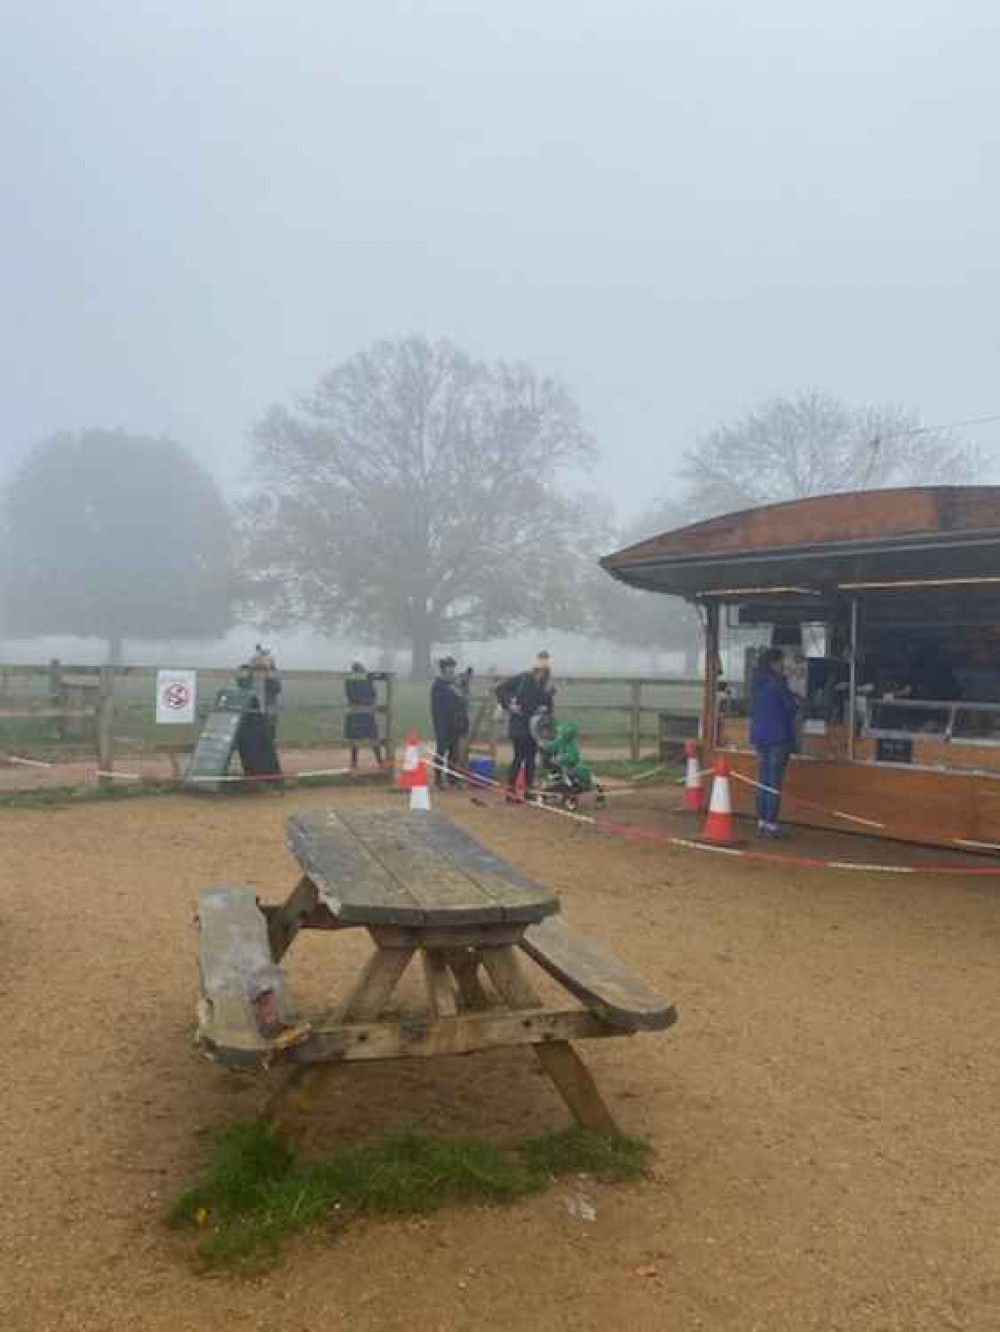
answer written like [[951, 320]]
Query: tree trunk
[[115, 645], [420, 663]]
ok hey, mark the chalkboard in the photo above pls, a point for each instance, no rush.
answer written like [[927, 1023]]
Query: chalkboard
[[893, 749], [214, 750]]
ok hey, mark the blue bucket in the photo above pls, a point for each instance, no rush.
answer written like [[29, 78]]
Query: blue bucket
[[483, 770]]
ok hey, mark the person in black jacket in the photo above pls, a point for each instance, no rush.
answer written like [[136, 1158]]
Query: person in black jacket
[[450, 716], [524, 698], [360, 718]]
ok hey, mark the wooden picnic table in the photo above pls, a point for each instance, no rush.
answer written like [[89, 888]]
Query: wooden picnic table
[[423, 887]]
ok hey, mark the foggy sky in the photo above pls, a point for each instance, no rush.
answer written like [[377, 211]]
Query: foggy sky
[[677, 208]]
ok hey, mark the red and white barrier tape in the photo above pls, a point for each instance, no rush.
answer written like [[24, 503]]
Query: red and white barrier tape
[[633, 833], [808, 804]]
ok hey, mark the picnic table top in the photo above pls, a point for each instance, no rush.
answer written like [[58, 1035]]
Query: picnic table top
[[390, 866]]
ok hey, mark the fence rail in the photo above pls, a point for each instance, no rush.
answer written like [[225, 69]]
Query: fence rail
[[68, 713]]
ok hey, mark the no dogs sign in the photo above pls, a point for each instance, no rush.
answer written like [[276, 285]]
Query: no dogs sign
[[176, 696]]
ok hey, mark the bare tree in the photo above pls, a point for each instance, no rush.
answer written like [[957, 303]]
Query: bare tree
[[418, 495], [813, 444]]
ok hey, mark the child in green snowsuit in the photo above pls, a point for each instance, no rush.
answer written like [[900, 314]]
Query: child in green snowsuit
[[562, 753]]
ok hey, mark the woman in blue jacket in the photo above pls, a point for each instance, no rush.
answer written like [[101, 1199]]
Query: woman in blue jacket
[[773, 709]]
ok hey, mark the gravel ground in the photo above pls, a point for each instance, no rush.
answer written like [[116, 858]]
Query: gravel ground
[[824, 1115]]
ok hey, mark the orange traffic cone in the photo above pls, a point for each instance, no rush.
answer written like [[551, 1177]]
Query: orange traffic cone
[[693, 793], [720, 825], [411, 762], [420, 791]]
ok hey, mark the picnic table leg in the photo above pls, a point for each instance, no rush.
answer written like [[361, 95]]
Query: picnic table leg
[[304, 1085], [440, 988], [464, 966], [566, 1070], [575, 1084]]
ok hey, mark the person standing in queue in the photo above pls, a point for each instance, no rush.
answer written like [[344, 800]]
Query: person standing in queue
[[524, 698], [450, 717], [360, 719], [773, 711]]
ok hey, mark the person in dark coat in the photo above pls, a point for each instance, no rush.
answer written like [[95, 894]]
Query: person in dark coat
[[360, 721], [773, 711], [450, 716], [524, 698]]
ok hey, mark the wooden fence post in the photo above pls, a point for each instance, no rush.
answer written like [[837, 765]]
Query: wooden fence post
[[105, 723], [635, 728], [390, 719]]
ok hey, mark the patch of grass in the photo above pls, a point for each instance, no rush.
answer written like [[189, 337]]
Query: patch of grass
[[611, 1158], [630, 770], [54, 797], [254, 1193]]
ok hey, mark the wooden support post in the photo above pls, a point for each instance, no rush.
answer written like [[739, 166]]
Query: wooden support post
[[105, 725], [464, 965], [574, 1082], [440, 986], [635, 719], [390, 720], [710, 704], [379, 977], [567, 1071]]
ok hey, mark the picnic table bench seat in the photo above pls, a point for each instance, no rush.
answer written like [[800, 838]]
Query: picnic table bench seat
[[597, 978], [244, 1011]]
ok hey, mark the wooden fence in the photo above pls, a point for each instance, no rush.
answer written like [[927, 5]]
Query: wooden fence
[[65, 713]]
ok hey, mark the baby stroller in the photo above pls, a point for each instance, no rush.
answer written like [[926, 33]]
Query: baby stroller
[[564, 777]]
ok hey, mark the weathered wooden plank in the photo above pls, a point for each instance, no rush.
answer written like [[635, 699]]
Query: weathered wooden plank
[[352, 882], [423, 1038], [244, 1004], [518, 897], [441, 936], [597, 978], [393, 867], [400, 842]]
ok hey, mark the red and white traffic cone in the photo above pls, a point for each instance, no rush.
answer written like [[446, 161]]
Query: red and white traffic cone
[[420, 791], [411, 762], [720, 825], [693, 793]]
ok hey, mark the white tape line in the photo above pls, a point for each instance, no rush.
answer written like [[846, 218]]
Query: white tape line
[[705, 846], [120, 776], [874, 869], [853, 818], [981, 846], [787, 795], [28, 763]]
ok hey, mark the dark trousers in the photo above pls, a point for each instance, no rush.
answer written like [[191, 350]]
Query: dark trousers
[[525, 752], [447, 754], [356, 753], [772, 760]]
